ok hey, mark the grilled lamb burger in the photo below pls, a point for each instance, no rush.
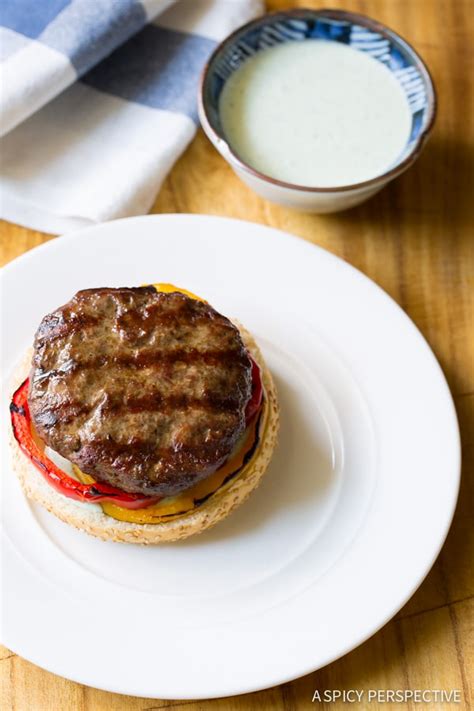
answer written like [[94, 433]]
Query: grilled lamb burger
[[163, 408]]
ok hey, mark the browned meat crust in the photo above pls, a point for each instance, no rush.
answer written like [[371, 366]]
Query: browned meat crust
[[144, 390]]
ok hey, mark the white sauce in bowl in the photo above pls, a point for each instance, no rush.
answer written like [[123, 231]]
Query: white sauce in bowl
[[315, 113]]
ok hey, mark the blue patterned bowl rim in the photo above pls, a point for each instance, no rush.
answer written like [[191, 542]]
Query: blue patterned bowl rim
[[341, 18]]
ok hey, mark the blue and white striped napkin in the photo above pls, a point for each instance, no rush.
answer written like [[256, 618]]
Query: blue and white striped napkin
[[98, 100]]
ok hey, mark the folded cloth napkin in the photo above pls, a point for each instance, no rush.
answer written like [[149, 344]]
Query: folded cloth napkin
[[82, 150]]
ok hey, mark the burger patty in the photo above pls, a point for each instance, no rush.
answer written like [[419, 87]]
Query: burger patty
[[143, 390]]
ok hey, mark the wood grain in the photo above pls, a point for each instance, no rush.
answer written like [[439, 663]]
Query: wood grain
[[415, 239]]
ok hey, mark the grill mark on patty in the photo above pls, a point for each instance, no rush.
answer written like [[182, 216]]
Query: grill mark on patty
[[112, 449], [130, 321], [188, 461], [69, 410], [136, 318], [157, 358], [63, 329], [152, 359]]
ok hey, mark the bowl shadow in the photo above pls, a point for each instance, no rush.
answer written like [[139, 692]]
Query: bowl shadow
[[436, 192]]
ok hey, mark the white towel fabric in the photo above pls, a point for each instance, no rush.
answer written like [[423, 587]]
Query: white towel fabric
[[101, 149]]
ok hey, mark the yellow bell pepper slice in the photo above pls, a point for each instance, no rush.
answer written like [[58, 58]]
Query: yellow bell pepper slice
[[170, 288]]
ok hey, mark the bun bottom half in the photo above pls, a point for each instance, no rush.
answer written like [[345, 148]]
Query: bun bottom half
[[90, 517]]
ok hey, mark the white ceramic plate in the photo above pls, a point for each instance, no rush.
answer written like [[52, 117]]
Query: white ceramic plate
[[349, 519]]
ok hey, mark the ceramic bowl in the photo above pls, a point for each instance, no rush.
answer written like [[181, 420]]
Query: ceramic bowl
[[361, 33]]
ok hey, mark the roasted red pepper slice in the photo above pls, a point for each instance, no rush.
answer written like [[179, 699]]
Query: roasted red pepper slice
[[62, 482], [96, 492]]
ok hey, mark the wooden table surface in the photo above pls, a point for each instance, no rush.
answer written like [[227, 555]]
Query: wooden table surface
[[416, 240]]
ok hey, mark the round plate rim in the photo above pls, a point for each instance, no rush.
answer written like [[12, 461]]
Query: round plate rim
[[450, 508]]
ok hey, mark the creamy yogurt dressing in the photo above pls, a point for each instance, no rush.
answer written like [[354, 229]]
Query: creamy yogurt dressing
[[315, 113]]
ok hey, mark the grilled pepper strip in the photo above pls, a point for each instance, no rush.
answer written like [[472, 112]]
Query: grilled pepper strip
[[62, 482]]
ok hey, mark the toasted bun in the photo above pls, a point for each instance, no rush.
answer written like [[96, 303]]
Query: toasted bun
[[90, 517]]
